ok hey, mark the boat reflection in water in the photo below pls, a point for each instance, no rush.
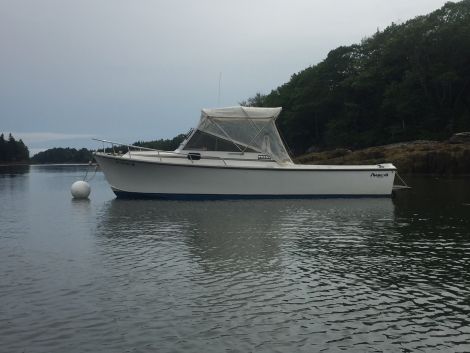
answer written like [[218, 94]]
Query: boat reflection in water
[[237, 235]]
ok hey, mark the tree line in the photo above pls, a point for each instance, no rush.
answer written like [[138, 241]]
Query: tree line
[[410, 81], [162, 144], [83, 155], [63, 155], [12, 150]]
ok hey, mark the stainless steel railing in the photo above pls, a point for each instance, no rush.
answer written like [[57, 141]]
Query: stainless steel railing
[[158, 152], [129, 147]]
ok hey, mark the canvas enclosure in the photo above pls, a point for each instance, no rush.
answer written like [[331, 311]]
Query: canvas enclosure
[[240, 129]]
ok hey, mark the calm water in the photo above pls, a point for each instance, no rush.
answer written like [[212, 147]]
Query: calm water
[[108, 275]]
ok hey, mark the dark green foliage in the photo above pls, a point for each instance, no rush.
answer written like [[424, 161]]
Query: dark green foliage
[[410, 81], [162, 144], [12, 150], [63, 155]]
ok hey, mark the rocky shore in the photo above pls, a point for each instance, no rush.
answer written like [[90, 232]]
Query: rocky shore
[[450, 157]]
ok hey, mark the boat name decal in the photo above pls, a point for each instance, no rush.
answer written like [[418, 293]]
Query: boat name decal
[[264, 156], [379, 175]]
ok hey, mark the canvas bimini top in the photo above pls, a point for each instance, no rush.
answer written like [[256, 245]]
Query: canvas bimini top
[[239, 129], [241, 113]]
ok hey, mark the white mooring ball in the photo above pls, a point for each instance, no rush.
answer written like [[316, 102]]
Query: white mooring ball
[[80, 189]]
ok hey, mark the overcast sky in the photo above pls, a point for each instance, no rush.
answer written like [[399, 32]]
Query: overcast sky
[[142, 69]]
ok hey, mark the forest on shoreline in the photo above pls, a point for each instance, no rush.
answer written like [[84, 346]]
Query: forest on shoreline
[[410, 81], [83, 155]]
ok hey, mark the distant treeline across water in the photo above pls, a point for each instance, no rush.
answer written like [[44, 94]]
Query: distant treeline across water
[[63, 155], [83, 155]]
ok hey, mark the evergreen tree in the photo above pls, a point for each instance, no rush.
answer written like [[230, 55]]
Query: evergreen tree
[[23, 151], [12, 150], [2, 148]]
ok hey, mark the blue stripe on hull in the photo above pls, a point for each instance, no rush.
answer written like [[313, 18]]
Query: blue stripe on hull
[[137, 195]]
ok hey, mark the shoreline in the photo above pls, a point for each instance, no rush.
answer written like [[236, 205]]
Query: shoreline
[[414, 157], [14, 164]]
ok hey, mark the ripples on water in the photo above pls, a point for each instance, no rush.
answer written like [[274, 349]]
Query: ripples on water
[[308, 275]]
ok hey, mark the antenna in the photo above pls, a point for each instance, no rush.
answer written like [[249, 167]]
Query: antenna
[[218, 94]]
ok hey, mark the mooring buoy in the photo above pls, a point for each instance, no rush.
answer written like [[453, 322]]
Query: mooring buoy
[[80, 189]]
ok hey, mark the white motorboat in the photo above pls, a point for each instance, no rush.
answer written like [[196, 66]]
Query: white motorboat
[[234, 153]]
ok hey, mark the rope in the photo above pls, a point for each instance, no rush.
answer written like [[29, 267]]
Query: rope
[[94, 174], [399, 177], [404, 186]]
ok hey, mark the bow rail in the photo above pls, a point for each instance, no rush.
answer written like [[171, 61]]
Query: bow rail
[[139, 148]]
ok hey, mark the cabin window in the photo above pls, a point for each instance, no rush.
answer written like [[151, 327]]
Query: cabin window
[[202, 141]]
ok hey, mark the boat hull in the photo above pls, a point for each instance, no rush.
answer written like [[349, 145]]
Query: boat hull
[[131, 178]]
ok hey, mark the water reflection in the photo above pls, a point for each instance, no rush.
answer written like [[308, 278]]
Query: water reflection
[[14, 187], [435, 208], [240, 235], [265, 276], [82, 208], [62, 168], [8, 171]]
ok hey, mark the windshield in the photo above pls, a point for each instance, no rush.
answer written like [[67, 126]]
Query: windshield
[[203, 141]]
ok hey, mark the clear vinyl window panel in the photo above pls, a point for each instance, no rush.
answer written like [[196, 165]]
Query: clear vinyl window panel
[[203, 141], [249, 135]]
